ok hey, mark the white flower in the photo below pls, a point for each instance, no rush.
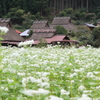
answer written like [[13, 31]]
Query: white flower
[[4, 29], [72, 75], [31, 79], [26, 43], [30, 92], [44, 84], [3, 88], [81, 88], [53, 98], [10, 81], [21, 74], [34, 80], [90, 75], [64, 92], [42, 91], [24, 81], [85, 97]]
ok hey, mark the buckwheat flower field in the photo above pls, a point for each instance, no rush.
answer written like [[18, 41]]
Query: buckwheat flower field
[[51, 73]]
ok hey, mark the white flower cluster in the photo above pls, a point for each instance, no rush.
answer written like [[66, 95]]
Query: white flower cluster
[[64, 92], [85, 97], [30, 92], [26, 43], [81, 88], [53, 98], [4, 29]]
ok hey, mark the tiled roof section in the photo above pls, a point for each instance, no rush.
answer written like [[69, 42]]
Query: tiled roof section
[[40, 24], [57, 38]]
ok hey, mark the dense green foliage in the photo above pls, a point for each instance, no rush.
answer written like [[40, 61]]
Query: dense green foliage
[[96, 36], [61, 30], [24, 12]]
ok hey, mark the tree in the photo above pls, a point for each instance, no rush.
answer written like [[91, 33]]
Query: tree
[[96, 36], [61, 30], [16, 15]]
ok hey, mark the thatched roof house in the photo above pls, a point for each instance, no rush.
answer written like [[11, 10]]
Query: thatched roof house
[[5, 22], [11, 37], [42, 33], [49, 36], [63, 21], [57, 39], [40, 24]]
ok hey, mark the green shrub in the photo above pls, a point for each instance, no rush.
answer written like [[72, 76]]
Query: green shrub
[[69, 11], [63, 13], [90, 16], [42, 43], [96, 33], [98, 15], [61, 30]]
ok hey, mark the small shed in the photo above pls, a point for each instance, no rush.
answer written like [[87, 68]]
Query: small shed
[[42, 33], [63, 21], [40, 24], [5, 22], [90, 26]]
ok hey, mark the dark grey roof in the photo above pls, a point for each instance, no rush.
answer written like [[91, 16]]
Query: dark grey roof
[[5, 22], [12, 35], [63, 21], [40, 24]]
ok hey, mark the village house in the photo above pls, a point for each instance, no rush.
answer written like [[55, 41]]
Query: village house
[[40, 30], [90, 26], [11, 37], [63, 21]]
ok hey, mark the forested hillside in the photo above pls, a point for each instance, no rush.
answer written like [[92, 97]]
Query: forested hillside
[[18, 10], [44, 6]]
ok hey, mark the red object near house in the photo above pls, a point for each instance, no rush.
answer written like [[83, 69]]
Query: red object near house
[[18, 31]]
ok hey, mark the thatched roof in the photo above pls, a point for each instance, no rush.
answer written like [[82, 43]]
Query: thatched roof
[[39, 24], [12, 35], [63, 21], [5, 22], [42, 33]]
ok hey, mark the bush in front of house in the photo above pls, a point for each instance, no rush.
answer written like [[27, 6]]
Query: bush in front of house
[[61, 30], [96, 36]]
